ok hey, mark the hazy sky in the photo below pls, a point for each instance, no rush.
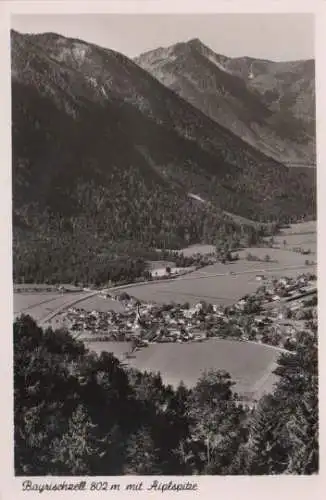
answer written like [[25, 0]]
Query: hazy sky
[[269, 36]]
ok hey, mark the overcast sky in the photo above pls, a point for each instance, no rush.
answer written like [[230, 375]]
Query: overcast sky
[[269, 36]]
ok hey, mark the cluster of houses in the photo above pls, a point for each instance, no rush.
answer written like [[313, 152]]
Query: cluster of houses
[[281, 308], [250, 319], [181, 265], [286, 288], [145, 322]]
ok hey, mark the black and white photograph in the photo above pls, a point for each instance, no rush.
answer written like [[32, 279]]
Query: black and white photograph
[[164, 245]]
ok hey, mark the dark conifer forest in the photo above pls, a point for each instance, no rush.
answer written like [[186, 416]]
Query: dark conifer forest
[[77, 413], [107, 162]]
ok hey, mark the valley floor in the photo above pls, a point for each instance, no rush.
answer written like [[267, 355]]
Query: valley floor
[[249, 364], [89, 313]]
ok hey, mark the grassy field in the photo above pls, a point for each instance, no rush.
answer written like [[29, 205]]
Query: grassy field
[[295, 241], [39, 305], [250, 365], [213, 284], [216, 284], [159, 264], [302, 236], [222, 289], [195, 249], [25, 301], [221, 284], [305, 233], [98, 303], [301, 228], [280, 257], [304, 241]]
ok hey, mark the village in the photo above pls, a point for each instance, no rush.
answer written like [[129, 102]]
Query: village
[[273, 315]]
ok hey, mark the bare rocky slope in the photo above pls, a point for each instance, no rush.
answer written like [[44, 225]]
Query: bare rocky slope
[[270, 105]]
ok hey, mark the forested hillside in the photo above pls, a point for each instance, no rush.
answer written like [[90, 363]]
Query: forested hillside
[[104, 157], [77, 413]]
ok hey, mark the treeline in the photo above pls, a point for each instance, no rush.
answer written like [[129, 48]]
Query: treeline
[[115, 246], [73, 263], [77, 413]]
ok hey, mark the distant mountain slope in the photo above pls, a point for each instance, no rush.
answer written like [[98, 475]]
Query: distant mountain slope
[[103, 153], [277, 81], [274, 110]]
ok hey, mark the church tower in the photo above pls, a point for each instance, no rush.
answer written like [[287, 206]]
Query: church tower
[[138, 323]]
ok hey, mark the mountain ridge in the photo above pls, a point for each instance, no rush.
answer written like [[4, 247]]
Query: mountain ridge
[[189, 68], [103, 153], [197, 41]]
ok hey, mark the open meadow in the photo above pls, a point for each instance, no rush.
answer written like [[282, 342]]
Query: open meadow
[[304, 241], [41, 305], [221, 284], [279, 258], [224, 284], [309, 227], [302, 236], [101, 304], [26, 301], [197, 249], [249, 364]]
